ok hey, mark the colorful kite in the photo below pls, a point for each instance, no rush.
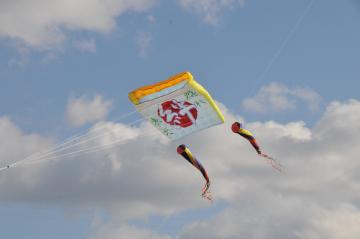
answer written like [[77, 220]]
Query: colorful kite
[[177, 106], [237, 128], [185, 152]]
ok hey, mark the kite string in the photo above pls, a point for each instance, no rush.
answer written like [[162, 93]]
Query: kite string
[[86, 150], [277, 53], [85, 140], [58, 149], [87, 131], [81, 135], [69, 140]]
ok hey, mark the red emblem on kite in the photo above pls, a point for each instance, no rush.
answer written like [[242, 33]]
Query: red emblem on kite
[[181, 113]]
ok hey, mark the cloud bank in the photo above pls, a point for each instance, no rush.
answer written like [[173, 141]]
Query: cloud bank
[[142, 176]]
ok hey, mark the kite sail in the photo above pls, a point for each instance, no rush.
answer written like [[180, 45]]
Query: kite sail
[[177, 106], [186, 153], [237, 128]]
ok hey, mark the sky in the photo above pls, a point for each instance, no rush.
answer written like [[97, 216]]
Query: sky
[[287, 69]]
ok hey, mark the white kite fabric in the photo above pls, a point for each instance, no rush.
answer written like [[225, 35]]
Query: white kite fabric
[[177, 107]]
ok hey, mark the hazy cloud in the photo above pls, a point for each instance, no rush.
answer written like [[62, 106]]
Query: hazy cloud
[[85, 110], [22, 57], [114, 231], [143, 40], [210, 10], [85, 45], [278, 97], [151, 19]]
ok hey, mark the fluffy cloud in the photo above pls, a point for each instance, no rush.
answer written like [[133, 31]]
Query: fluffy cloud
[[277, 97], [319, 197], [16, 145], [83, 110], [44, 24], [143, 175], [210, 10]]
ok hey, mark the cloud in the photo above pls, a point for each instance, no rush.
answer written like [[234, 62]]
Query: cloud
[[83, 110], [16, 145], [22, 59], [277, 97], [45, 25], [85, 45], [317, 199], [143, 175], [151, 19], [342, 222], [210, 10], [114, 231], [143, 40]]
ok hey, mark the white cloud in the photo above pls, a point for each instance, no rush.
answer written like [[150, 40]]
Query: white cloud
[[84, 110], [16, 145], [210, 10], [44, 24], [111, 231], [310, 97], [341, 223], [318, 198], [277, 97], [85, 45], [143, 40]]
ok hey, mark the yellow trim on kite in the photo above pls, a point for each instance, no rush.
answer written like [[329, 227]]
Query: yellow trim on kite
[[246, 132], [136, 95], [206, 94], [191, 157]]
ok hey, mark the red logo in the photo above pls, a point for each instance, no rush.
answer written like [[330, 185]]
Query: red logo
[[181, 113]]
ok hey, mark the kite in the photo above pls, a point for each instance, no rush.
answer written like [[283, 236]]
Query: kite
[[178, 106], [237, 128], [185, 152]]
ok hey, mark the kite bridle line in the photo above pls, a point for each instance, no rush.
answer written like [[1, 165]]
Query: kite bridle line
[[82, 141], [86, 150], [79, 139], [69, 140], [75, 137]]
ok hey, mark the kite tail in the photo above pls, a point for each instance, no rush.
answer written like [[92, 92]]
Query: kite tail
[[274, 163], [206, 192]]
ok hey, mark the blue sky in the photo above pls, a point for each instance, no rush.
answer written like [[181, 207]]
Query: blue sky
[[289, 69]]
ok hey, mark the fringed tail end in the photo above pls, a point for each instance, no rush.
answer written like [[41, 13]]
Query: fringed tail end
[[206, 192], [274, 163]]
